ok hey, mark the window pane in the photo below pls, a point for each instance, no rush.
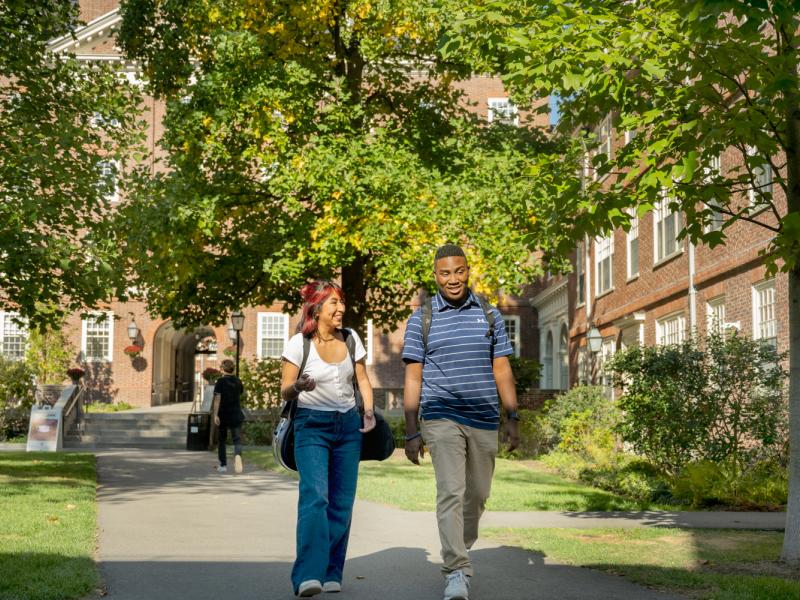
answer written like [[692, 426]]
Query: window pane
[[273, 334], [633, 253], [15, 337]]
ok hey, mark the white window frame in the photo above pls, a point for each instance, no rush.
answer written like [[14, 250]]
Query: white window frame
[[760, 331], [496, 105], [630, 134], [607, 351], [660, 216], [103, 166], [633, 236], [714, 169], [580, 274], [763, 179], [261, 333], [515, 340], [109, 357], [715, 314], [604, 252], [21, 329], [605, 138], [662, 329]]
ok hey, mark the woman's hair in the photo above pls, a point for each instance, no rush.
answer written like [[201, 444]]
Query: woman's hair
[[314, 294]]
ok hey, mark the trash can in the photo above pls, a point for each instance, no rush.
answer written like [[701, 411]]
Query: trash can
[[197, 431]]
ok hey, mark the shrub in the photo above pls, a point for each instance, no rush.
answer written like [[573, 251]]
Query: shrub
[[49, 354], [533, 440], [526, 373], [257, 432], [580, 399], [262, 386], [719, 399], [16, 397], [707, 483]]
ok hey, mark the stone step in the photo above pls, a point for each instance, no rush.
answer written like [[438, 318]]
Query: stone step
[[90, 443], [132, 434]]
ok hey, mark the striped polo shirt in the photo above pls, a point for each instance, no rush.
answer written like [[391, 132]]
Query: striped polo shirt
[[457, 376]]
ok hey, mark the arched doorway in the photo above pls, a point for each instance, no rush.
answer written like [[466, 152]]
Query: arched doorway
[[179, 357]]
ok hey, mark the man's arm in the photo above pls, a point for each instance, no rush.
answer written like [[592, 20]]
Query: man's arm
[[215, 408], [412, 390], [504, 379]]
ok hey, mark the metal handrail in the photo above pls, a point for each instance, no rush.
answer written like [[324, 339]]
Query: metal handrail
[[72, 409]]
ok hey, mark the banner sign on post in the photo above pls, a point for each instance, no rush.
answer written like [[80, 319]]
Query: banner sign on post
[[44, 433]]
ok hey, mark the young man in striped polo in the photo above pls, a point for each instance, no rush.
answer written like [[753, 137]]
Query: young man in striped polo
[[456, 363]]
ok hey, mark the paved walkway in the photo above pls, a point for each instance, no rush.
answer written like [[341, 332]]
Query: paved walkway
[[171, 528]]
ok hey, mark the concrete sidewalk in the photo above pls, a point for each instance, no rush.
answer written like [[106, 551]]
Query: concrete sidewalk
[[171, 528]]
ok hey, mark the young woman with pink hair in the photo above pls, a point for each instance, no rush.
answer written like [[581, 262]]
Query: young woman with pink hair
[[327, 435]]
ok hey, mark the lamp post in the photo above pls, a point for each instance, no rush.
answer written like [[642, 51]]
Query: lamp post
[[237, 323]]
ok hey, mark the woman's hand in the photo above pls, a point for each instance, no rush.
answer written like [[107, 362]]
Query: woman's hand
[[304, 383], [369, 421]]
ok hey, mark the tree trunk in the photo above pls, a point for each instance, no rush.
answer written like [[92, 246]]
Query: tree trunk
[[791, 538], [355, 295]]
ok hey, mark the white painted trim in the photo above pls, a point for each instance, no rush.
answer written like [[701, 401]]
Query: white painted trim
[[95, 28], [756, 289], [260, 331], [110, 319], [516, 320]]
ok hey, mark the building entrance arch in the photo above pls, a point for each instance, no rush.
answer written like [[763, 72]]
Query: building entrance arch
[[179, 357]]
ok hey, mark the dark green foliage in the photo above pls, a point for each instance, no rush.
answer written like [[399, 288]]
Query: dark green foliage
[[526, 373], [719, 399], [16, 397], [61, 121]]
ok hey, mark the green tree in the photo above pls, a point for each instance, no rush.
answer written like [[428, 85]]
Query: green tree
[[691, 79], [49, 354], [65, 127], [316, 138]]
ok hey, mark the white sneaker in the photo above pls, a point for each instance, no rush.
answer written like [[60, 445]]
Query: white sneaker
[[312, 587], [332, 587], [222, 469], [456, 586], [238, 466]]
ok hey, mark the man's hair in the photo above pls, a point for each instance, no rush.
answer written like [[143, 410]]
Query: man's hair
[[448, 250], [227, 365]]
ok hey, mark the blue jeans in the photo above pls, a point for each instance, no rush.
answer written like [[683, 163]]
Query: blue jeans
[[327, 448]]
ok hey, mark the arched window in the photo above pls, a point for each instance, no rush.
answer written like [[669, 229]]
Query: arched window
[[563, 359]]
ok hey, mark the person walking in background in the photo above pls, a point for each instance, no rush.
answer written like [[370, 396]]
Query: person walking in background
[[228, 415], [327, 434], [456, 353]]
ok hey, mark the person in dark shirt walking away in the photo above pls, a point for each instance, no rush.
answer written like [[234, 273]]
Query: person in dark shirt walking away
[[456, 353], [228, 415]]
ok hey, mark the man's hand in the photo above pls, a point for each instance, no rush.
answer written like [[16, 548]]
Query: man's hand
[[512, 431], [216, 421], [415, 449]]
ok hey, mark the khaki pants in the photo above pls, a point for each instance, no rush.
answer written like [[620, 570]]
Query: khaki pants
[[463, 461]]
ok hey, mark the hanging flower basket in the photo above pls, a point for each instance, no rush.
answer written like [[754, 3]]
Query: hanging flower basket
[[133, 350], [75, 374], [211, 374]]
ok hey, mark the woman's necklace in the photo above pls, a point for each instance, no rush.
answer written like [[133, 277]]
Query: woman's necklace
[[322, 339]]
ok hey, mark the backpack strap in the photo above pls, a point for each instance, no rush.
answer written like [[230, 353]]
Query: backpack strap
[[350, 342], [427, 318], [290, 406], [489, 314]]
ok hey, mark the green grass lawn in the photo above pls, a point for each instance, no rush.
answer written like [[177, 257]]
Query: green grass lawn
[[702, 563], [517, 486], [47, 529]]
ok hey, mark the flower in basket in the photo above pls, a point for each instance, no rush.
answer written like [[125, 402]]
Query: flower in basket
[[229, 351], [133, 350], [211, 374], [75, 373]]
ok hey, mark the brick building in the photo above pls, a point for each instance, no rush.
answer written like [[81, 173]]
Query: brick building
[[647, 287], [169, 367]]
